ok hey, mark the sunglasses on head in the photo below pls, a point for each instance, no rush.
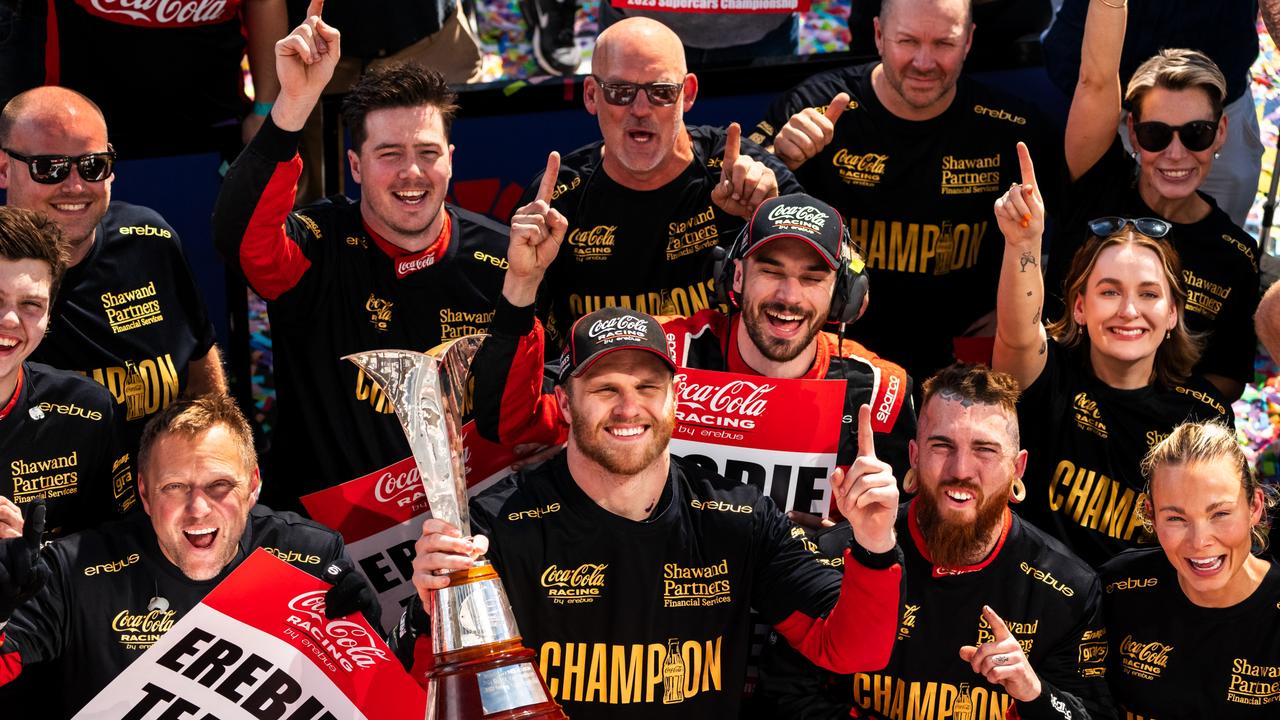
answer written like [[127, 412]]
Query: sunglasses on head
[[1151, 227], [1196, 135], [624, 93], [53, 169]]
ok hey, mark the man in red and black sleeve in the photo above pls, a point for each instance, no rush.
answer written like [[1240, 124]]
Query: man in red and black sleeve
[[632, 573], [398, 269]]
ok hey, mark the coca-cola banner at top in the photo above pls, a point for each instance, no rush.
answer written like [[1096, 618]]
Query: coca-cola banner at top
[[380, 516], [716, 6], [780, 435], [162, 13], [259, 646]]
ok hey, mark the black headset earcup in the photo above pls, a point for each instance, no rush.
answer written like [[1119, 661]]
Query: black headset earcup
[[723, 269], [850, 292]]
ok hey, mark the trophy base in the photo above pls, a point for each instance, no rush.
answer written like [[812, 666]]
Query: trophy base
[[501, 684]]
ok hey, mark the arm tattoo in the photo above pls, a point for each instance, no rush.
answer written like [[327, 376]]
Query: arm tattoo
[[1035, 319], [1027, 259]]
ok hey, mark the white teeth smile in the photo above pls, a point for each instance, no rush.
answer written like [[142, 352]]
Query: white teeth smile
[[959, 495], [8, 342], [411, 196], [626, 432], [202, 531], [1128, 333], [785, 318], [1207, 565], [1175, 174], [71, 207]]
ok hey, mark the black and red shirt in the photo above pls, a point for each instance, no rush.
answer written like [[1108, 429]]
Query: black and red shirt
[[648, 250], [130, 317], [334, 288], [59, 443]]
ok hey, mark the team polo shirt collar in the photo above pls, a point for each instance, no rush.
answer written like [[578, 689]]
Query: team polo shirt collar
[[939, 571], [407, 263]]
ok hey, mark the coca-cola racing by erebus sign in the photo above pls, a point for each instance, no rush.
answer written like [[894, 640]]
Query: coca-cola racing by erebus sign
[[801, 218], [627, 328], [162, 13]]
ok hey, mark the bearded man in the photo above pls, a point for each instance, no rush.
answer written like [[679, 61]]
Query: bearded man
[[998, 620]]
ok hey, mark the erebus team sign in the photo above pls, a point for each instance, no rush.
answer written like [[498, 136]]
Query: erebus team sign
[[260, 648], [380, 516], [777, 434]]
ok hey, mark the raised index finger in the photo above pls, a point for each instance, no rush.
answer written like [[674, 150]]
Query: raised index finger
[[998, 628], [732, 145], [549, 177], [837, 107], [866, 441], [315, 8], [1028, 168]]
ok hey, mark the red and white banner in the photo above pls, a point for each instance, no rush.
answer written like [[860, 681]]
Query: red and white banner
[[163, 13], [380, 516], [718, 7], [259, 646], [780, 435]]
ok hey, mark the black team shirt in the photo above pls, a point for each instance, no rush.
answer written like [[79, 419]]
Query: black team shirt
[[59, 444], [918, 196], [1050, 600], [1219, 262], [333, 288], [129, 316], [1171, 658], [91, 620], [648, 250], [642, 619], [1085, 441]]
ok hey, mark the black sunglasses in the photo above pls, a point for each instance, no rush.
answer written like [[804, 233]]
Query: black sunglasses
[[1196, 135], [1108, 226], [53, 169], [624, 93]]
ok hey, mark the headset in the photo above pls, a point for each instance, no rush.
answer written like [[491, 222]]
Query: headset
[[847, 298]]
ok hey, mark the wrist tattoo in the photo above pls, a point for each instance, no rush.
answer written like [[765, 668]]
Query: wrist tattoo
[[1027, 259]]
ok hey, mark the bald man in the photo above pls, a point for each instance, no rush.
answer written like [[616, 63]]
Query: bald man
[[128, 313], [646, 205], [913, 154]]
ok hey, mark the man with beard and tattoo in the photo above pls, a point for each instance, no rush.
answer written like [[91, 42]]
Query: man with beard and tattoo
[[648, 203], [912, 152], [632, 573], [999, 620], [791, 270]]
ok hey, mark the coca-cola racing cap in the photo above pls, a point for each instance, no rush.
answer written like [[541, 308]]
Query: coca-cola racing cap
[[609, 330], [799, 216]]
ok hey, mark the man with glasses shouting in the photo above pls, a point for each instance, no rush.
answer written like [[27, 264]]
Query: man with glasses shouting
[[648, 203], [128, 313]]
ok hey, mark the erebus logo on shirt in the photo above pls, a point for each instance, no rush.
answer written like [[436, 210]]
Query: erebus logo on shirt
[[735, 404], [340, 643]]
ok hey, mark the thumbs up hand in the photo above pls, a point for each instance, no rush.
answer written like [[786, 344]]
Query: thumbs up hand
[[867, 494], [744, 181], [808, 132]]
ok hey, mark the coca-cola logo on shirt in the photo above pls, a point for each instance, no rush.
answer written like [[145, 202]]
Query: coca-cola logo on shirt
[[401, 488], [800, 217], [163, 13], [344, 643], [737, 397]]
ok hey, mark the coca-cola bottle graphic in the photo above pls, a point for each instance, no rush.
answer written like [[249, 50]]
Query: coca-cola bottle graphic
[[942, 254], [673, 674], [135, 392], [962, 709]]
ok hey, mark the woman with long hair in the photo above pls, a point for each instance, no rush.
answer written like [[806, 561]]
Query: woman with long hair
[[1176, 127], [1104, 382], [1194, 625]]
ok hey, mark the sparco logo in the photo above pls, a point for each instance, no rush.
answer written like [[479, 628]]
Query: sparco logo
[[400, 489], [890, 397], [799, 213], [628, 323], [740, 397], [347, 643], [169, 13]]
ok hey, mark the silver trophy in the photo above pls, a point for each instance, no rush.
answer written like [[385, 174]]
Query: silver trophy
[[473, 630]]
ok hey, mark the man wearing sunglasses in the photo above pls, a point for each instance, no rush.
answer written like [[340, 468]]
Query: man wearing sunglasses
[[1177, 126], [913, 154], [401, 268], [128, 314], [648, 203]]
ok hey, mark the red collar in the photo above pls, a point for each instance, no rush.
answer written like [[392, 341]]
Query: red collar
[[408, 263], [17, 390], [939, 571], [735, 363]]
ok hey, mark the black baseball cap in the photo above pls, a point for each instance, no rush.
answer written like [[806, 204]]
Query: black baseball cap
[[608, 330], [799, 216]]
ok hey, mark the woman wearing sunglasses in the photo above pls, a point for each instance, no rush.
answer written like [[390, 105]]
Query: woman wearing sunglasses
[[1106, 380], [1193, 626], [1176, 127]]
